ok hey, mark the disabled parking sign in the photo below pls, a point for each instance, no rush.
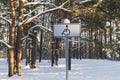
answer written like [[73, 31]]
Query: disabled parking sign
[[71, 30]]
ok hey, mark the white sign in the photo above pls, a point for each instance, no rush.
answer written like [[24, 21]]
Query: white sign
[[71, 30]]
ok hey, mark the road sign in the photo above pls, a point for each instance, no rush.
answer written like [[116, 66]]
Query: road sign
[[71, 30]]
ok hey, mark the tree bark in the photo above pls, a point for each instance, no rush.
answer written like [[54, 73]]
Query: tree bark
[[19, 36], [18, 51], [56, 57], [27, 54], [11, 40], [41, 42], [100, 43], [111, 31], [33, 52], [90, 44], [52, 55]]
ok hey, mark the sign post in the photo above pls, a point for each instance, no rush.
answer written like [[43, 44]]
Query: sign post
[[66, 52], [66, 30], [66, 33]]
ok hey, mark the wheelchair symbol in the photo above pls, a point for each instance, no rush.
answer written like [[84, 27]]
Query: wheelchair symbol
[[66, 31]]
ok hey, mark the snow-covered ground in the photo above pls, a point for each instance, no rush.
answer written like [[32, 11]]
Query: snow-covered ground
[[86, 69]]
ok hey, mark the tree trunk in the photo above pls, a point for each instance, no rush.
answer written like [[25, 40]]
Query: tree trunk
[[111, 31], [90, 44], [105, 36], [52, 55], [41, 41], [19, 36], [96, 45], [56, 57], [33, 52], [57, 50], [11, 62], [27, 47], [18, 51], [11, 40], [27, 54], [100, 44]]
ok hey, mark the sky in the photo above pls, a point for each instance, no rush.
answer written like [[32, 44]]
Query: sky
[[85, 69]]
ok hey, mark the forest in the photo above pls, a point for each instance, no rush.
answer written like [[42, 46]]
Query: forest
[[26, 31]]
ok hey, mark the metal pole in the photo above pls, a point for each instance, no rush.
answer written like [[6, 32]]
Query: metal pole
[[66, 32], [66, 55]]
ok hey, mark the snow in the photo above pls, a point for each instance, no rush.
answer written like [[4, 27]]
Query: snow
[[85, 69]]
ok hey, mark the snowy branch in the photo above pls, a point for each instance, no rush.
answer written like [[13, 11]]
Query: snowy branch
[[31, 29], [24, 37], [61, 7], [84, 1], [1, 41], [31, 3], [64, 9], [39, 3], [98, 3], [5, 20], [41, 27], [30, 12]]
